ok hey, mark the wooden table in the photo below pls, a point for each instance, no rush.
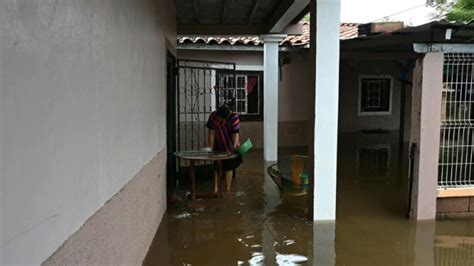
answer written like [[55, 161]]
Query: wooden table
[[194, 156]]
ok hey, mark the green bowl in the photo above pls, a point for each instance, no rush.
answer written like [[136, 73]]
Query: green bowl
[[245, 147]]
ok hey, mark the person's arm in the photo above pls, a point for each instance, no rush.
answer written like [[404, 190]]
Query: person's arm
[[235, 129], [211, 137], [235, 139]]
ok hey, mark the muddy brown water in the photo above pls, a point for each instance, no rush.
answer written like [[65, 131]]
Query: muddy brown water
[[258, 226]]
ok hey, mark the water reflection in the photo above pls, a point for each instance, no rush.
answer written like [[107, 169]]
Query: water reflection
[[256, 227]]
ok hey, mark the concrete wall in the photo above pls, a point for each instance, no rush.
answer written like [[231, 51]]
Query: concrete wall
[[247, 58], [121, 232], [349, 118], [83, 105], [293, 97]]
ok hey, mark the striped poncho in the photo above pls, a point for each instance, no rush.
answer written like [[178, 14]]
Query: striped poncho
[[224, 130]]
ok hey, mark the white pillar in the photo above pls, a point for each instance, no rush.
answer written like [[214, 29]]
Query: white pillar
[[425, 133], [270, 95], [325, 41]]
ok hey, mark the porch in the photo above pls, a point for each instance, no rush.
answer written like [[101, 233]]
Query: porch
[[83, 133], [86, 143]]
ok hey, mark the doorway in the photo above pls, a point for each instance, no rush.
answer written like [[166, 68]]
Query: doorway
[[171, 119]]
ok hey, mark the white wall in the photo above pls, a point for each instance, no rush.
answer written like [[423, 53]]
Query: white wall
[[83, 109], [295, 87], [253, 58]]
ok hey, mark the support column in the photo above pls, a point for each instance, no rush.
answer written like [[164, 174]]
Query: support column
[[270, 95], [425, 133], [325, 55]]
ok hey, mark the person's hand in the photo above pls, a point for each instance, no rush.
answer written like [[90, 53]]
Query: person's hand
[[207, 149]]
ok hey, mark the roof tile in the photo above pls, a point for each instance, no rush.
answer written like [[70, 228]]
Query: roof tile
[[346, 31]]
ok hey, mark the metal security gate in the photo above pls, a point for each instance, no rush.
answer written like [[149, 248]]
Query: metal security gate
[[200, 91], [456, 158]]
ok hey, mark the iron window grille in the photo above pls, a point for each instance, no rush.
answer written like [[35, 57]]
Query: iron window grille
[[245, 93], [375, 95]]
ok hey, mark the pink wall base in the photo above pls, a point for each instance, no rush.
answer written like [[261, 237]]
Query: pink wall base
[[122, 230]]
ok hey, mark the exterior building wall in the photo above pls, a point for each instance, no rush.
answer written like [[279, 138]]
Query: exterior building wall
[[349, 118], [121, 231], [293, 100], [83, 104]]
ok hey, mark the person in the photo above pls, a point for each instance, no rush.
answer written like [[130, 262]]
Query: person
[[224, 130]]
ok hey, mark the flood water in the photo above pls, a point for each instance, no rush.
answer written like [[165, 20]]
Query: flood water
[[257, 226]]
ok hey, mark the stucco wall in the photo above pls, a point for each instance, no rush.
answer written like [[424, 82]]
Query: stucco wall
[[83, 110], [295, 86], [349, 118], [121, 232], [293, 98], [253, 58]]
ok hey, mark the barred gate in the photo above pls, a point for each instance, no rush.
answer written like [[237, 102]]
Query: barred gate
[[200, 91], [456, 157]]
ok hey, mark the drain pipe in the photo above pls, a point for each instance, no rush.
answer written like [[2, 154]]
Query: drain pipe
[[410, 177]]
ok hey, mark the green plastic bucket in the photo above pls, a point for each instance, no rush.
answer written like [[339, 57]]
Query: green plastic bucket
[[245, 147]]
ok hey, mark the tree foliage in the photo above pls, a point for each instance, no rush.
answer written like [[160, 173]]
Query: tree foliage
[[462, 11]]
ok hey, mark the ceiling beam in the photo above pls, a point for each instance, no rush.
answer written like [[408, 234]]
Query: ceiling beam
[[224, 10], [254, 10], [196, 11], [285, 13], [301, 15]]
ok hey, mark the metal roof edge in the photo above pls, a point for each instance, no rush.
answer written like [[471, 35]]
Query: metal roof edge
[[443, 48]]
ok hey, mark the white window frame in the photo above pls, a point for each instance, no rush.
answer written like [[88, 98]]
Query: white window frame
[[244, 90], [359, 106]]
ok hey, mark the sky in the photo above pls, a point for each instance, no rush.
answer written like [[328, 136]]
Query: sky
[[364, 11]]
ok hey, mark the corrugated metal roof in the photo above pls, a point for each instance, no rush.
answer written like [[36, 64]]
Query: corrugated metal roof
[[346, 31]]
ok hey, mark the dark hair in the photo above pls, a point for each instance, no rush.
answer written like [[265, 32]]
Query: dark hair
[[223, 111]]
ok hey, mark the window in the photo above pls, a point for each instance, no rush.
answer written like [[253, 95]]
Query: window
[[244, 92], [375, 95]]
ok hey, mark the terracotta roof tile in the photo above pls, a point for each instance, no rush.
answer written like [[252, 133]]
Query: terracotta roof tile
[[346, 31]]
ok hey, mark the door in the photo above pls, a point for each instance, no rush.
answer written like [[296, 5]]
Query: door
[[171, 119], [199, 93]]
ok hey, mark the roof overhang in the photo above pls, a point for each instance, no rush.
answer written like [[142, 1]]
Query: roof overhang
[[227, 17], [443, 48], [440, 33]]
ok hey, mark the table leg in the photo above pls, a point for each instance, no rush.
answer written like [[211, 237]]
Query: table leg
[[219, 178], [192, 174]]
